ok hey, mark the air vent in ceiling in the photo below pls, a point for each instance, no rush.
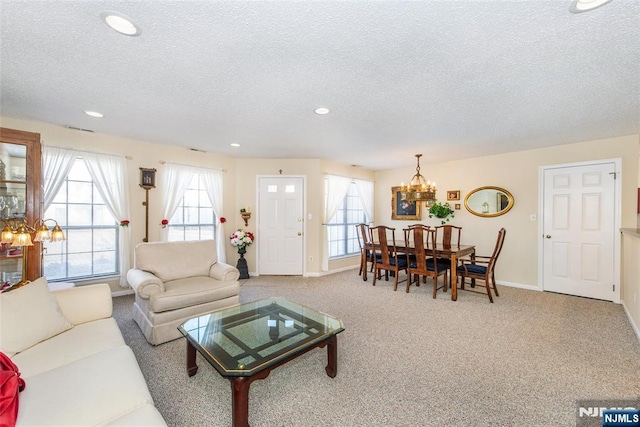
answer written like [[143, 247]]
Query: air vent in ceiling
[[80, 129]]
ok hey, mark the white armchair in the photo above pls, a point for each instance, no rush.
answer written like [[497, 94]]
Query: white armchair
[[175, 281]]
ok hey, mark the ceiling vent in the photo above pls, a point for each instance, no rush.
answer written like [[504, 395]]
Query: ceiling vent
[[80, 129]]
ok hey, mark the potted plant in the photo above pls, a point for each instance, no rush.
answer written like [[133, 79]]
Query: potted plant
[[442, 211]]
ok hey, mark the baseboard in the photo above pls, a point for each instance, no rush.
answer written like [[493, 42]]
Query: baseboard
[[327, 273], [122, 293], [633, 324], [519, 286]]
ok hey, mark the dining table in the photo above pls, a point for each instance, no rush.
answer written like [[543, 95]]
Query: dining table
[[452, 252]]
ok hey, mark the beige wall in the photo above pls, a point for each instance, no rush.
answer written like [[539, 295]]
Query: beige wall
[[249, 170], [518, 173], [142, 154], [240, 180], [631, 276]]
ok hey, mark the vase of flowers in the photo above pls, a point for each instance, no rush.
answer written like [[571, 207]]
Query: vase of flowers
[[442, 211], [241, 239]]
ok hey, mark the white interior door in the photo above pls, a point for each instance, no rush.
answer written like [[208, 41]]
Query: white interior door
[[579, 230], [281, 225]]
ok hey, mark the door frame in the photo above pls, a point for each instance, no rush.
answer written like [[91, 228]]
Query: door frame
[[617, 218], [304, 216]]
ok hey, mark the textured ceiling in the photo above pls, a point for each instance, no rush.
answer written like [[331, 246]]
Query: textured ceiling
[[449, 79]]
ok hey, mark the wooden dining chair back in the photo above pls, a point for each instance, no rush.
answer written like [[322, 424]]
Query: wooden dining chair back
[[483, 267], [422, 261], [366, 249], [387, 257], [448, 235]]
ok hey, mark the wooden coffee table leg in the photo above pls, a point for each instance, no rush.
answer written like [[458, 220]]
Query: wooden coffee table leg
[[240, 401], [332, 357], [192, 368], [240, 397]]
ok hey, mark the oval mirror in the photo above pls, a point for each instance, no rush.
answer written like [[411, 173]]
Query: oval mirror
[[488, 201]]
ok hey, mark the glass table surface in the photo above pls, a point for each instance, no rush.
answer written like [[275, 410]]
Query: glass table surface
[[244, 339]]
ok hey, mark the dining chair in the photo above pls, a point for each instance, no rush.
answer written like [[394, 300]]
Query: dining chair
[[387, 257], [450, 234], [366, 249], [483, 267], [422, 261]]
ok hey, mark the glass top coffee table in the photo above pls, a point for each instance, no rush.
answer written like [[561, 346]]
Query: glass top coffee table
[[245, 342]]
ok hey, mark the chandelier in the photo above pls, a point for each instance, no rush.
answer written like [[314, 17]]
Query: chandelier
[[419, 189]]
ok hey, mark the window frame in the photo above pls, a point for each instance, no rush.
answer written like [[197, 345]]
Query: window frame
[[95, 200], [349, 236], [183, 207]]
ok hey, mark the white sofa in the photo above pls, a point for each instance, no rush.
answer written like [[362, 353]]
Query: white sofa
[[176, 281], [71, 354]]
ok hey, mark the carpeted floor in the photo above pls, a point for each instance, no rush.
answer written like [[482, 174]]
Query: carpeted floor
[[410, 360]]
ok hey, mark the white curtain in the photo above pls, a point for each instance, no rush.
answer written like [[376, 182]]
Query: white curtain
[[56, 164], [109, 173], [176, 180], [365, 194], [212, 180], [336, 190]]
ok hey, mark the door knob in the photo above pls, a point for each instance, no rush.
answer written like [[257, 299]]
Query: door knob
[[299, 233], [548, 236]]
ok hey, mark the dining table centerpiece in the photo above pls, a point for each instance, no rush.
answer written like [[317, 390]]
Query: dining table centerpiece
[[442, 211], [241, 239]]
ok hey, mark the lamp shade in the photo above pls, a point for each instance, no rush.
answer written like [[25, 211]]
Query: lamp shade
[[57, 235], [22, 237], [7, 235], [42, 234]]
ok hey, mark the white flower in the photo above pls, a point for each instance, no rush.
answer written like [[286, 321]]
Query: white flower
[[241, 238]]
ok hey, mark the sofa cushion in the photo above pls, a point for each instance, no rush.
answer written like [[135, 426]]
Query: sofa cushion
[[192, 291], [95, 390], [29, 315], [174, 260], [147, 415], [80, 341]]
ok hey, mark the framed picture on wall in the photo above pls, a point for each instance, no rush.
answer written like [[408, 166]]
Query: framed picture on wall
[[453, 195], [402, 209]]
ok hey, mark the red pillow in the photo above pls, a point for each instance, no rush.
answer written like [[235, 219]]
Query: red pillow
[[10, 385]]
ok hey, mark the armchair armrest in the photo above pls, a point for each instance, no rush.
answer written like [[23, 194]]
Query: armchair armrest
[[224, 272], [476, 260], [144, 283], [84, 304]]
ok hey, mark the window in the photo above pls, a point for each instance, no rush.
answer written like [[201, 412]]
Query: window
[[343, 239], [91, 247], [194, 218]]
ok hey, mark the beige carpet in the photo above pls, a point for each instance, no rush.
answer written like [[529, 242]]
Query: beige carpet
[[410, 360]]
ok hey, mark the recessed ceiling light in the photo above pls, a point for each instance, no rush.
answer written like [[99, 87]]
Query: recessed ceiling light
[[579, 6], [234, 144], [93, 114], [121, 23], [322, 110]]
